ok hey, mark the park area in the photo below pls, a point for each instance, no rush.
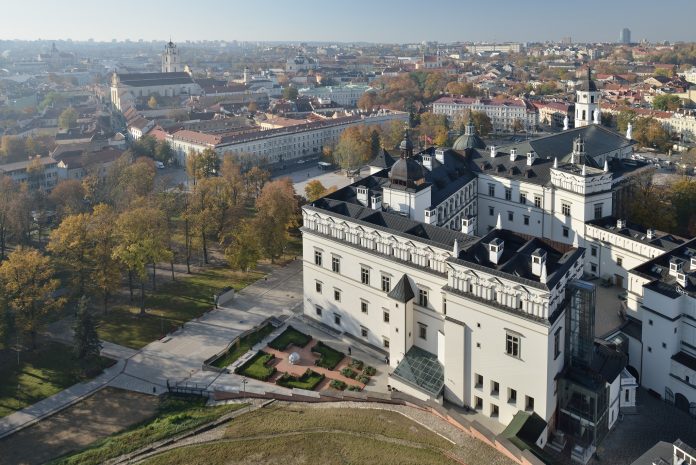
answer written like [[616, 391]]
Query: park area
[[296, 360]]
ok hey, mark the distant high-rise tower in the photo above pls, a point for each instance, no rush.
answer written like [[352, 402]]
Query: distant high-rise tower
[[586, 99], [625, 36], [170, 59]]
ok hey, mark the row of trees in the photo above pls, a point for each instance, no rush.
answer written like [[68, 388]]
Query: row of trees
[[409, 92]]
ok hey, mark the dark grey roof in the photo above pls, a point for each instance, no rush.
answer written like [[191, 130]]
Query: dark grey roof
[[659, 454], [383, 160], [685, 359], [468, 141], [538, 173], [407, 170], [638, 233], [608, 362], [154, 79], [657, 271], [516, 260], [402, 292], [633, 328]]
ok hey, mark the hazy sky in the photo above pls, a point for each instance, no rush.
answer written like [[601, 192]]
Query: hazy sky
[[356, 20]]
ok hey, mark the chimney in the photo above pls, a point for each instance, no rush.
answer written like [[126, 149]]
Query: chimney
[[495, 250], [431, 216], [513, 154], [538, 262], [428, 162], [620, 224], [440, 155], [469, 225], [676, 266], [651, 235], [362, 195], [376, 202], [530, 158], [555, 162], [681, 279], [494, 151]]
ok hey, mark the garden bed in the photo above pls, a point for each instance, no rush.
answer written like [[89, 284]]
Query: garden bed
[[257, 367], [242, 346], [309, 380], [290, 336], [328, 357]]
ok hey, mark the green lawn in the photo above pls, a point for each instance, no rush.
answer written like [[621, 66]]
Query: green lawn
[[242, 346], [290, 336], [45, 371], [175, 415], [329, 357], [256, 367], [308, 380], [173, 304]]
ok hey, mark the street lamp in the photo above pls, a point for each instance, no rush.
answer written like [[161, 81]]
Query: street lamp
[[244, 383]]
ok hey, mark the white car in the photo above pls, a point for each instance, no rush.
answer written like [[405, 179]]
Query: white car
[[159, 165]]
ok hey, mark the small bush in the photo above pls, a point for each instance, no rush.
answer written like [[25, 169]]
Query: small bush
[[357, 364], [328, 357], [256, 367], [290, 336], [349, 372], [364, 379], [309, 380], [369, 371], [338, 384], [354, 388]]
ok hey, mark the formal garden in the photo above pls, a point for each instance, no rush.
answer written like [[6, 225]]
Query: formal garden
[[295, 360]]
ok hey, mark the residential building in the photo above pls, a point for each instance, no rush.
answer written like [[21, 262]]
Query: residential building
[[502, 112], [39, 173], [347, 95], [665, 453]]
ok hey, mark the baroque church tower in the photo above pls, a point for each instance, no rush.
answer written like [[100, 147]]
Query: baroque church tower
[[587, 101], [170, 59]]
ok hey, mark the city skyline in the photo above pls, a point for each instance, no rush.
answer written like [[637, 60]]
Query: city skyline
[[360, 21]]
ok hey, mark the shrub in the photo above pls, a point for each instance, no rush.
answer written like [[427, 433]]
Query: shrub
[[349, 372], [309, 380], [369, 371], [357, 364], [354, 388], [364, 379], [256, 367], [289, 336], [338, 384], [328, 356]]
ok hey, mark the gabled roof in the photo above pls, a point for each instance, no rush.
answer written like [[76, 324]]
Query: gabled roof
[[402, 292], [383, 160]]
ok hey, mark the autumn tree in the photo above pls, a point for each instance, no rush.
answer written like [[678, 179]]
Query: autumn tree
[[243, 249], [69, 244], [68, 118], [517, 126], [102, 233], [276, 212], [86, 340], [203, 164], [231, 172], [7, 194], [28, 283], [152, 102], [290, 93], [13, 149], [368, 101], [352, 149], [482, 122], [666, 102], [141, 242], [314, 190], [68, 197], [392, 134], [254, 180], [433, 129]]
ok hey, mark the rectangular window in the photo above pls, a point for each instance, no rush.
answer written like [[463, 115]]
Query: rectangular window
[[422, 297], [365, 275], [491, 190], [528, 403], [537, 201], [385, 316], [318, 309], [598, 211], [512, 345], [337, 319], [318, 287], [491, 211], [385, 342], [565, 209], [557, 343], [479, 381], [422, 331], [363, 307], [511, 216], [317, 257], [335, 264], [523, 198], [478, 403], [444, 305], [593, 251], [363, 331], [593, 267], [526, 220], [619, 261], [508, 194], [495, 388], [512, 396], [566, 232], [386, 283], [337, 295], [494, 411]]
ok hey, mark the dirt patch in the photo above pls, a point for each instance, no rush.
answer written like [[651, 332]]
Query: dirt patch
[[106, 412]]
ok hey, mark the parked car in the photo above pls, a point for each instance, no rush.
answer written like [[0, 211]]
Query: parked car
[[159, 165]]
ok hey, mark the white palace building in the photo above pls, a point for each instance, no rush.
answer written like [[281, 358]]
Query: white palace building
[[465, 268]]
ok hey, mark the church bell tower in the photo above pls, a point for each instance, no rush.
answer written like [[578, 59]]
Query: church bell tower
[[170, 59], [586, 101]]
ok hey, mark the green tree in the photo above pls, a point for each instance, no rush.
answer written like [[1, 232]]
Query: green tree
[[14, 148], [314, 190], [482, 122], [623, 118], [203, 164], [28, 283], [290, 93], [164, 152], [86, 340], [243, 251], [666, 102], [68, 118]]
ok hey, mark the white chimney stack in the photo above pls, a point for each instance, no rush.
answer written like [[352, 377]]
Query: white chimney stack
[[606, 165], [513, 154], [620, 224], [555, 162], [651, 235], [629, 131], [469, 225], [494, 151], [530, 158], [566, 122], [495, 250]]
